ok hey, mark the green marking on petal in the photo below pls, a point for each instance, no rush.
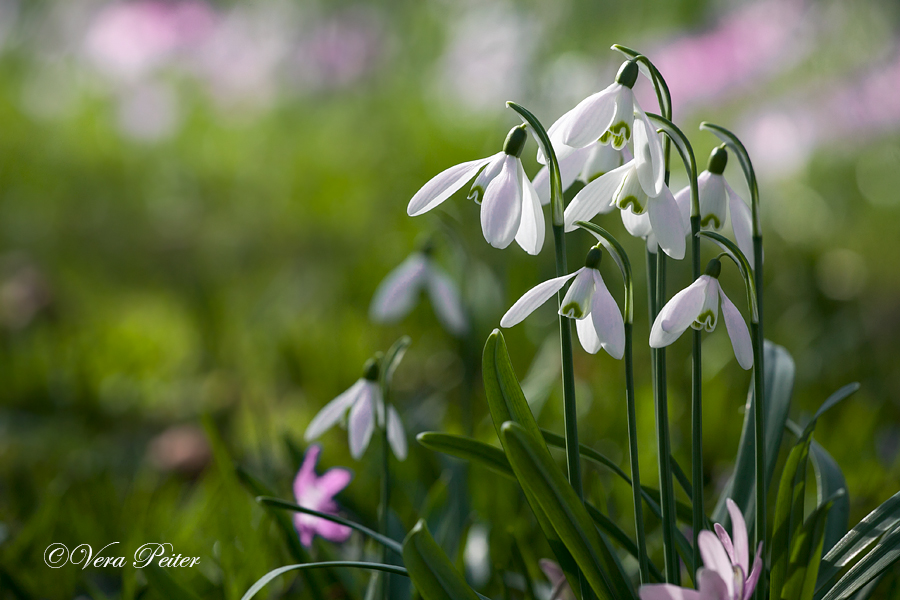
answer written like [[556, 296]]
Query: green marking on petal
[[632, 202], [710, 218], [595, 176], [572, 310], [604, 139], [476, 193], [705, 320], [619, 132]]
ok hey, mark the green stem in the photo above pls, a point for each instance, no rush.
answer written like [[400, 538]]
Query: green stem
[[760, 443], [385, 499], [696, 406], [635, 463]]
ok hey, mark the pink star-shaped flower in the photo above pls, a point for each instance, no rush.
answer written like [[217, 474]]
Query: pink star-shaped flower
[[317, 493]]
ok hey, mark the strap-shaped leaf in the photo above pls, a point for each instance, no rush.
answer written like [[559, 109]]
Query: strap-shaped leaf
[[779, 386], [506, 402], [806, 554], [788, 514], [467, 449], [883, 519], [830, 402], [265, 579], [536, 471], [830, 480], [432, 573], [885, 554]]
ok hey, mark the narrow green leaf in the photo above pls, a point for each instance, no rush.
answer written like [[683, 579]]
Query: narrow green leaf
[[779, 386], [615, 532], [265, 579], [285, 505], [506, 402], [882, 556], [788, 514], [806, 554], [830, 480], [467, 449], [432, 573], [537, 472], [883, 519], [830, 402]]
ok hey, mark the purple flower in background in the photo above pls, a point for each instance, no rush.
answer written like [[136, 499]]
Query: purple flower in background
[[725, 574], [560, 588], [317, 493]]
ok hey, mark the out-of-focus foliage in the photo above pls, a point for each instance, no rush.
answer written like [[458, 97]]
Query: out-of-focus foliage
[[197, 202]]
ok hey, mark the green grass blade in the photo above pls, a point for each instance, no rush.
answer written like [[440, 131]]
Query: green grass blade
[[615, 532], [885, 554], [788, 515], [265, 579], [467, 449], [806, 554], [432, 573]]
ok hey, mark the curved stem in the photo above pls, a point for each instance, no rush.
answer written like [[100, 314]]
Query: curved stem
[[570, 412], [381, 539]]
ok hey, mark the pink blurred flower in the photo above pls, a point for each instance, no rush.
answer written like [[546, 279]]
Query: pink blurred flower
[[317, 493], [129, 39]]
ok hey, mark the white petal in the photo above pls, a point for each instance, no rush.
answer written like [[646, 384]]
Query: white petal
[[531, 227], [708, 317], [652, 246], [447, 304], [533, 298], [501, 209], [569, 169], [395, 434], [443, 185], [607, 319], [587, 335], [678, 313], [712, 200], [476, 192], [737, 331], [648, 153], [683, 200], [620, 127], [595, 197], [667, 224], [602, 160], [590, 118], [741, 223], [576, 304], [332, 412], [398, 293], [667, 591], [630, 195], [636, 225], [361, 424]]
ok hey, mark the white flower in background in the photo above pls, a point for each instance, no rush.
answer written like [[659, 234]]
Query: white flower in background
[[584, 164], [510, 208], [597, 318], [637, 186], [364, 401], [399, 292], [697, 306], [713, 190], [607, 116]]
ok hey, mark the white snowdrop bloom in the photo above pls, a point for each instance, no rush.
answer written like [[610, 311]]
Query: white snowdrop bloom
[[626, 188], [717, 199], [582, 164], [597, 317], [399, 292], [697, 306], [607, 116], [510, 208], [365, 404], [639, 226]]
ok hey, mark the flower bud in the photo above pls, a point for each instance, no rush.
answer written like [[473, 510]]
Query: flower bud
[[713, 268], [718, 158], [371, 369], [627, 74], [593, 258], [515, 141]]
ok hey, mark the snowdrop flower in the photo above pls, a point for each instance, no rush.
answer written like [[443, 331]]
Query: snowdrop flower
[[582, 164], [725, 574], [639, 226], [697, 306], [510, 208], [366, 406], [597, 318], [560, 588], [713, 206], [317, 493], [637, 186], [607, 116], [399, 292]]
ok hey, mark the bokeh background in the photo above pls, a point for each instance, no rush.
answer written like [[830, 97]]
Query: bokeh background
[[198, 200]]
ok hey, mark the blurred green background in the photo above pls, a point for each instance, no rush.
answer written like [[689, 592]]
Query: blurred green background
[[198, 200]]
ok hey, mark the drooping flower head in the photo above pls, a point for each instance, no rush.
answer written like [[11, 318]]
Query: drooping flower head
[[597, 317], [366, 411], [717, 199], [317, 493], [398, 293], [725, 574], [510, 208], [697, 306]]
